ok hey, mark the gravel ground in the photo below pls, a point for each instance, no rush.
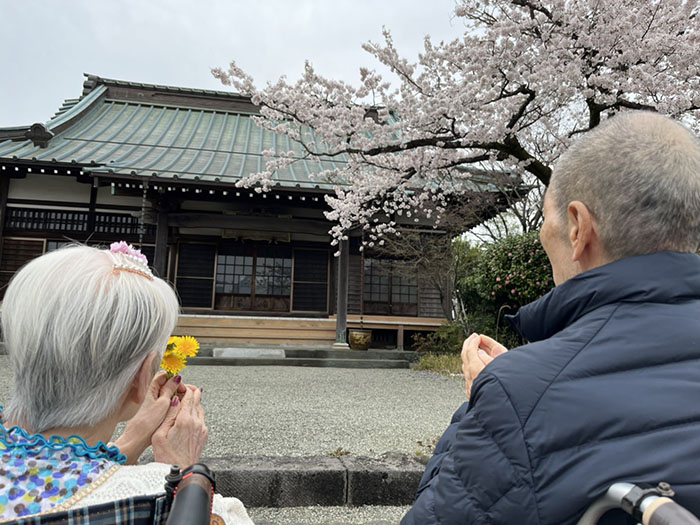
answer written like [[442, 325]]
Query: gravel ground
[[328, 515], [297, 411]]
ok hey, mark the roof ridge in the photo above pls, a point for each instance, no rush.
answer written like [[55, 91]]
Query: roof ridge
[[92, 81]]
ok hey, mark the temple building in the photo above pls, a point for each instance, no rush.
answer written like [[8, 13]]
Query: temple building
[[157, 166]]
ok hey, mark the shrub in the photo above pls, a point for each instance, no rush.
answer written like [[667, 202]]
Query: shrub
[[447, 339], [514, 271], [446, 364], [497, 279]]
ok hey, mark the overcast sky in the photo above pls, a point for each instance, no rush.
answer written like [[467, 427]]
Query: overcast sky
[[47, 45]]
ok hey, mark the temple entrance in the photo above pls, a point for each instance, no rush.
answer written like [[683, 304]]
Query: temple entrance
[[251, 276]]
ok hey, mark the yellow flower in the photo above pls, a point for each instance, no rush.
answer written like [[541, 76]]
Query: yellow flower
[[187, 346], [172, 362], [172, 342]]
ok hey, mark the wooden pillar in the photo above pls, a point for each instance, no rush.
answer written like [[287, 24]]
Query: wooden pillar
[[161, 252], [91, 211], [4, 192], [341, 320], [399, 338]]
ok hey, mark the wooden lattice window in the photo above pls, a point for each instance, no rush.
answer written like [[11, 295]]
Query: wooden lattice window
[[251, 277], [404, 289], [35, 219], [273, 272], [377, 275], [389, 288], [73, 221], [121, 224], [234, 274]]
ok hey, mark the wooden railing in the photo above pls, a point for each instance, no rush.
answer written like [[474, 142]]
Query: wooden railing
[[55, 220]]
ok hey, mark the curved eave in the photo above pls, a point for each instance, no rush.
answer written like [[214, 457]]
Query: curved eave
[[65, 119], [56, 125]]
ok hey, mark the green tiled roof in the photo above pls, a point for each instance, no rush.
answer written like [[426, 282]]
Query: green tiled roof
[[113, 133]]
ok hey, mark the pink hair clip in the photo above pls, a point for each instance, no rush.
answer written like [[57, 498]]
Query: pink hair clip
[[137, 262], [127, 249]]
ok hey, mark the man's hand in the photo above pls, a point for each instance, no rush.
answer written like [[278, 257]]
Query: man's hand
[[477, 352], [140, 428]]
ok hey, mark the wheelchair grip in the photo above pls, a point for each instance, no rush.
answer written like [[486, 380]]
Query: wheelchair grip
[[192, 502], [664, 511]]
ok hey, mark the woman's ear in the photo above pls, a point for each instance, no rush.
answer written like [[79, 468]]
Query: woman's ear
[[142, 379]]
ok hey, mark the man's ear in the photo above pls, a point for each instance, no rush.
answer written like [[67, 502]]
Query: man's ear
[[580, 229], [142, 380]]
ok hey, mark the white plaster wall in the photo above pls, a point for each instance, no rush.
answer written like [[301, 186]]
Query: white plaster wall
[[54, 188]]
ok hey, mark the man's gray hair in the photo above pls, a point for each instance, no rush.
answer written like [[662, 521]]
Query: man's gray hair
[[76, 333], [639, 174]]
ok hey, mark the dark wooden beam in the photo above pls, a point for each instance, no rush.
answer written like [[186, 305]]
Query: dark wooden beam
[[241, 222], [102, 207]]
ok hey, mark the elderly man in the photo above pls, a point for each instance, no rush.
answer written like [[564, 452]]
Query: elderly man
[[608, 389]]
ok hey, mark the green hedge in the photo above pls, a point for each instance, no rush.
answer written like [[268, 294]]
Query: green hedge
[[496, 279], [513, 271]]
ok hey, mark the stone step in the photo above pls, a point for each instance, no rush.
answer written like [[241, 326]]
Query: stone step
[[238, 350], [276, 481], [351, 354], [291, 361]]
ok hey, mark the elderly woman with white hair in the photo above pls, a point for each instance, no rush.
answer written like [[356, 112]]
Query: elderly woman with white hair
[[85, 330]]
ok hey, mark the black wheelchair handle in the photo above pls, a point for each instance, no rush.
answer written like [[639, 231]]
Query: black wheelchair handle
[[192, 495]]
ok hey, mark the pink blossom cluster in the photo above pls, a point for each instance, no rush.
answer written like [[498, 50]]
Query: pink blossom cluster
[[525, 80]]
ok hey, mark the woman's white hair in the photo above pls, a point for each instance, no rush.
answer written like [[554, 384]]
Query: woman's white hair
[[77, 332]]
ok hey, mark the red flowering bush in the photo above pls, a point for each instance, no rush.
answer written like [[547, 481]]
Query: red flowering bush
[[513, 271]]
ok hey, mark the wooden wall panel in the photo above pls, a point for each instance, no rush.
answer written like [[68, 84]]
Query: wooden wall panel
[[428, 300], [354, 284], [258, 330]]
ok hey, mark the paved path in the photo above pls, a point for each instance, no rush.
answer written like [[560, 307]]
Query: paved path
[[295, 411]]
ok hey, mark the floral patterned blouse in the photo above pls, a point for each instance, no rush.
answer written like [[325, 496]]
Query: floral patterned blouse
[[37, 473]]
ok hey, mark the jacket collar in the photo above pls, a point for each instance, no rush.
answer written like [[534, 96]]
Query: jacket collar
[[662, 277]]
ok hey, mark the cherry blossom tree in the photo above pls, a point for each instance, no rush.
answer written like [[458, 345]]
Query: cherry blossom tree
[[526, 79]]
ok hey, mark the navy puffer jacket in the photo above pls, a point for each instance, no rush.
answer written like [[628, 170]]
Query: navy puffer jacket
[[608, 390]]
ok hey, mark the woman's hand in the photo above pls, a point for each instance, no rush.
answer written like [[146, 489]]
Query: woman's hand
[[477, 352], [181, 437], [140, 428]]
